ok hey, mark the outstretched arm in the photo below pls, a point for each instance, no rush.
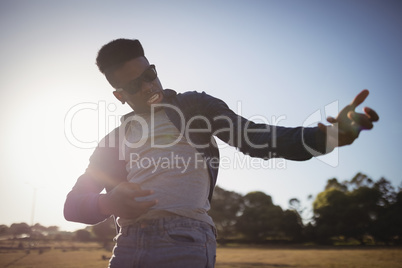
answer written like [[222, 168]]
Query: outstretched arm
[[346, 127]]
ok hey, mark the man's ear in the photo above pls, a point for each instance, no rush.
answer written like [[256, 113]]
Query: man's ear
[[119, 96]]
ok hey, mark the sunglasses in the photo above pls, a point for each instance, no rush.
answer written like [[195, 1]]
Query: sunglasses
[[134, 86]]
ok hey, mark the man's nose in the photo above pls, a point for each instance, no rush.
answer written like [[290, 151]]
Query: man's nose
[[146, 87]]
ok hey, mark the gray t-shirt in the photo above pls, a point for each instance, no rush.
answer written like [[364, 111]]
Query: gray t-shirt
[[159, 158]]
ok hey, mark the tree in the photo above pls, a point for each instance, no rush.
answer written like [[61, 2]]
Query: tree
[[360, 213], [360, 180], [83, 235], [295, 205], [105, 231], [386, 191], [388, 225], [292, 225], [363, 208], [260, 219], [329, 213], [52, 229], [38, 231], [3, 229], [345, 213], [334, 184], [20, 229], [225, 209]]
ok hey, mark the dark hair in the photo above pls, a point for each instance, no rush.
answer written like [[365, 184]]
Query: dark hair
[[117, 52]]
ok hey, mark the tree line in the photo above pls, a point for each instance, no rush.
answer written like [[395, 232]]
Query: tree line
[[359, 211], [23, 230]]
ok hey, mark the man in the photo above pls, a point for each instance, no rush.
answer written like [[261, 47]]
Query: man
[[159, 168]]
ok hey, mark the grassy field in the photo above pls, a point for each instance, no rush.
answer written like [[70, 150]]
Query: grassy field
[[309, 258], [92, 256]]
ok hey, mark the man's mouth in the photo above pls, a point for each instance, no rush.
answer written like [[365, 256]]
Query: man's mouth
[[155, 98]]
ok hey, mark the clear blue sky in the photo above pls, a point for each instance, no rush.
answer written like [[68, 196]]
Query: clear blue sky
[[280, 61]]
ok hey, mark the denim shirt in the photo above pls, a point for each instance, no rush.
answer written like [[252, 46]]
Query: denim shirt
[[200, 117]]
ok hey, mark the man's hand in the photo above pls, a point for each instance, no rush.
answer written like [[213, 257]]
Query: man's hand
[[347, 125], [121, 201]]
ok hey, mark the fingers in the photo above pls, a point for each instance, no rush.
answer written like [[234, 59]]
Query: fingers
[[122, 201], [350, 123], [133, 190], [371, 114], [129, 191], [360, 98], [131, 186], [141, 193], [132, 208], [331, 120], [360, 121]]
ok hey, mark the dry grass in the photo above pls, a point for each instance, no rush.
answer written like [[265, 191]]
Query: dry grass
[[309, 258], [54, 258], [233, 257], [58, 255]]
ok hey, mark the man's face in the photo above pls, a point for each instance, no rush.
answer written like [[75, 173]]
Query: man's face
[[136, 72]]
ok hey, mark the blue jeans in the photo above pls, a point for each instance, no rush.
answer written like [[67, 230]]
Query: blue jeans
[[167, 242]]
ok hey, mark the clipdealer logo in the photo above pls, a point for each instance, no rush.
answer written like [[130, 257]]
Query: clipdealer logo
[[179, 163], [106, 120], [100, 113]]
